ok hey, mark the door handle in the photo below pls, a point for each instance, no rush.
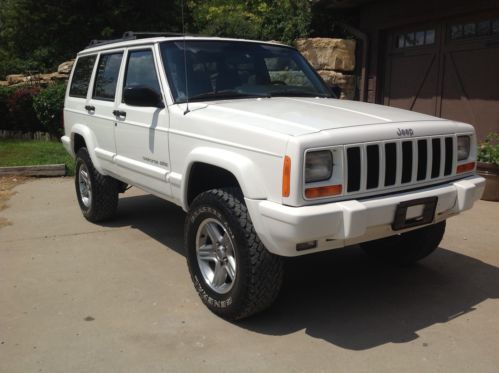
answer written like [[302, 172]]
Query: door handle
[[89, 108], [119, 113]]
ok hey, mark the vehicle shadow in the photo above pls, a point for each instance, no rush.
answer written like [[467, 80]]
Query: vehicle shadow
[[159, 219], [343, 296]]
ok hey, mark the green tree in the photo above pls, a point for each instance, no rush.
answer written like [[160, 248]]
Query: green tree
[[282, 20], [41, 34]]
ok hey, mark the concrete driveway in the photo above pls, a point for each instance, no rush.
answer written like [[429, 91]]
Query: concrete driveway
[[117, 297]]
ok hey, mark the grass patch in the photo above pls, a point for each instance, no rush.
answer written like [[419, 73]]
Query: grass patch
[[33, 153]]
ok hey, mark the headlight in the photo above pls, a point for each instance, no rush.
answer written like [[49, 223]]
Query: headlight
[[318, 166], [463, 147]]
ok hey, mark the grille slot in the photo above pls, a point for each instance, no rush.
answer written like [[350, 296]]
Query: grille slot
[[372, 166], [353, 160], [422, 159], [406, 161], [382, 165], [390, 163], [435, 168], [449, 155]]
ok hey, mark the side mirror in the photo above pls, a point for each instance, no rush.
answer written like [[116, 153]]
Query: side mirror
[[336, 90], [142, 96]]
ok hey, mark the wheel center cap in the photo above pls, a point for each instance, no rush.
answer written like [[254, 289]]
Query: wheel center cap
[[220, 251]]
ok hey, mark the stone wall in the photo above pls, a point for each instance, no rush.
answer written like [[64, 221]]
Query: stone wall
[[17, 80], [334, 60]]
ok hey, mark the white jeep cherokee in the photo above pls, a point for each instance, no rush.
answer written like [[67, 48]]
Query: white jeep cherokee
[[249, 141]]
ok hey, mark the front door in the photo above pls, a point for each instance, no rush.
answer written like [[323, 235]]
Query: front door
[[142, 132]]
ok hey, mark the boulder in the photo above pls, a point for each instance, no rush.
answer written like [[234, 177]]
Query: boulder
[[65, 67], [4, 83], [15, 79], [328, 54], [346, 82], [59, 76], [53, 76]]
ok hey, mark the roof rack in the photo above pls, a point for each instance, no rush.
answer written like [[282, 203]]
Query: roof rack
[[132, 35]]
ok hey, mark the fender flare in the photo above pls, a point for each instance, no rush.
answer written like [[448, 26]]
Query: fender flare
[[90, 141], [242, 167]]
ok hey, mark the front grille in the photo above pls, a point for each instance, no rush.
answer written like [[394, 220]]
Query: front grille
[[381, 165]]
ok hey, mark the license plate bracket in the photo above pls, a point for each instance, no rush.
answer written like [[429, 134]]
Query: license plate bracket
[[401, 221]]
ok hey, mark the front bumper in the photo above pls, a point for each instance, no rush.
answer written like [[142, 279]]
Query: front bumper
[[344, 223]]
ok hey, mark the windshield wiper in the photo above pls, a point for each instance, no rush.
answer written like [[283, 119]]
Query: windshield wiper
[[227, 94], [295, 93]]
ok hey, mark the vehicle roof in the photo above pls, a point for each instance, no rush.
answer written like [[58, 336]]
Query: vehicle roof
[[153, 40]]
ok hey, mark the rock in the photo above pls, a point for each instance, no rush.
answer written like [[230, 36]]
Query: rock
[[15, 79], [328, 54], [46, 77], [59, 76], [53, 76], [4, 83], [345, 82], [65, 67], [288, 77]]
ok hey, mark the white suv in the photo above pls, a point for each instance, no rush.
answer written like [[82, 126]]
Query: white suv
[[251, 143]]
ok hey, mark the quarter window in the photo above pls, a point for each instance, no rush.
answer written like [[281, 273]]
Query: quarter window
[[416, 39], [107, 76], [81, 76], [141, 71]]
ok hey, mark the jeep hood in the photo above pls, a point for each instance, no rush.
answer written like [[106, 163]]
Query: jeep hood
[[300, 116]]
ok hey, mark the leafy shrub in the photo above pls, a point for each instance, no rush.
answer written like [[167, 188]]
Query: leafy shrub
[[5, 119], [22, 114], [488, 151], [48, 105]]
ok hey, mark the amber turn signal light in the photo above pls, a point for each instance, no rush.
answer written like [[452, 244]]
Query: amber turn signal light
[[465, 167], [325, 191], [286, 177]]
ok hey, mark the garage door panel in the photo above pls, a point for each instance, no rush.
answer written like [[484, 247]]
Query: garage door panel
[[453, 72], [413, 82], [471, 88]]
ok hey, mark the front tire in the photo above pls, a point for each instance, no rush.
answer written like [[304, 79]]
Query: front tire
[[407, 248], [97, 194], [232, 271]]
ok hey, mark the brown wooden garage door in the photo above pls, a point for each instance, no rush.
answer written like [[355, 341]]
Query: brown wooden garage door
[[448, 69]]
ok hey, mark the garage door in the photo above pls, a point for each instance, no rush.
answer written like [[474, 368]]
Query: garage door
[[449, 69]]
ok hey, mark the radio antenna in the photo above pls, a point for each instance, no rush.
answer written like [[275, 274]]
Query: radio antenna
[[185, 64]]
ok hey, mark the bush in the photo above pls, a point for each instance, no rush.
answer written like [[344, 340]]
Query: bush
[[5, 119], [488, 151], [22, 114], [48, 105]]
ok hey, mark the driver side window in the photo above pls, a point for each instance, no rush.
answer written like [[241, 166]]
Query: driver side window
[[140, 71]]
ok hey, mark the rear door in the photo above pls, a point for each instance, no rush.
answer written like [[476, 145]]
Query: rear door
[[101, 105], [142, 132]]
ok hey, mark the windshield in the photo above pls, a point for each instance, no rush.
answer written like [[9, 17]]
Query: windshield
[[232, 69]]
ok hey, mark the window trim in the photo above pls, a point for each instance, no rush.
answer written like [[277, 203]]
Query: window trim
[[98, 98]]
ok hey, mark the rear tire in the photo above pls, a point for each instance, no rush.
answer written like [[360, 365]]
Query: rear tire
[[97, 194], [232, 271], [407, 248]]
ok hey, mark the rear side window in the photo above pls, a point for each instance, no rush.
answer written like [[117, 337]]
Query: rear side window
[[107, 76], [141, 71], [81, 76]]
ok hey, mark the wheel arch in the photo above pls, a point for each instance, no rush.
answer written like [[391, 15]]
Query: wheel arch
[[233, 169], [82, 136]]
